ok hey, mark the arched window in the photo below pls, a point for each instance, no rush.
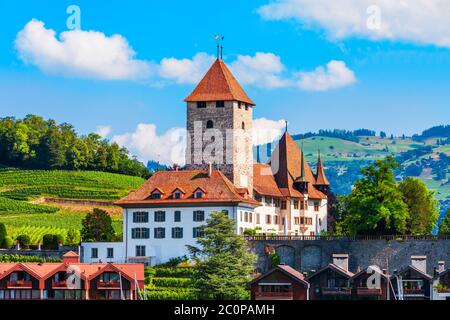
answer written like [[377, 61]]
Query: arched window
[[209, 124], [243, 125]]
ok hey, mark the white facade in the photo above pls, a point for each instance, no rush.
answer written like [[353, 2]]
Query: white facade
[[152, 248], [160, 241]]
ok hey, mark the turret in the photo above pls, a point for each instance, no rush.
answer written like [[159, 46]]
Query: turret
[[321, 180]]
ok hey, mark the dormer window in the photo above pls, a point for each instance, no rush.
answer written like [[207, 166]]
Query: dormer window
[[177, 193], [156, 194], [199, 193], [209, 124], [201, 104], [220, 104]]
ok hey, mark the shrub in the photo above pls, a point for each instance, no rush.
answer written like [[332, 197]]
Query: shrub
[[23, 258], [8, 242], [173, 262], [171, 295], [149, 274], [24, 240], [274, 259], [51, 241], [172, 282], [73, 237], [178, 272], [3, 234]]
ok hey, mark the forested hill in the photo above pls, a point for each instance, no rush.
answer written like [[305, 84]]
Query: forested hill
[[36, 143]]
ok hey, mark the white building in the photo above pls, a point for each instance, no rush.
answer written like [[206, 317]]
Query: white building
[[282, 197]]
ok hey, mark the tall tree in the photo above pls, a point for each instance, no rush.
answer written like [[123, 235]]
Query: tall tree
[[444, 226], [97, 226], [375, 205], [423, 208], [223, 260]]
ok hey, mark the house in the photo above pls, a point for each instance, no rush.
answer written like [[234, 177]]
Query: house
[[70, 280], [371, 283], [332, 282], [441, 283], [281, 283], [283, 196], [413, 282]]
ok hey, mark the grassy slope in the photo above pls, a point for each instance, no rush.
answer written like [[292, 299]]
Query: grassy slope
[[18, 188]]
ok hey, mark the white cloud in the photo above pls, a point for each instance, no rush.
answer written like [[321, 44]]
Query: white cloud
[[103, 131], [186, 71], [265, 130], [146, 144], [417, 21], [77, 53], [262, 70], [334, 75]]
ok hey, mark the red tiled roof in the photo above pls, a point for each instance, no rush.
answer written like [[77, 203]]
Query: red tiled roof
[[289, 168], [42, 271], [219, 84], [291, 272], [71, 254], [321, 179], [217, 188]]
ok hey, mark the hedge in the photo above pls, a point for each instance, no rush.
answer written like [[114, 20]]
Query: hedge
[[23, 258], [172, 282], [171, 295], [178, 272]]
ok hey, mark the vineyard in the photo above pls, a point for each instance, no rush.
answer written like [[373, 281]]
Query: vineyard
[[171, 283], [18, 188]]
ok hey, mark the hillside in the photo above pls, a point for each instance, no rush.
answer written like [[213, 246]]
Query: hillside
[[30, 199], [425, 157]]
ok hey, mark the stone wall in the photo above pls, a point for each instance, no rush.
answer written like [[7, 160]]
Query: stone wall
[[310, 255]]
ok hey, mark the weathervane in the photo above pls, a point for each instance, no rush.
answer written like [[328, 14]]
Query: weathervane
[[219, 40]]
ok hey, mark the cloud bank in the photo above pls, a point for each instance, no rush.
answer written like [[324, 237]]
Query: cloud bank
[[416, 21]]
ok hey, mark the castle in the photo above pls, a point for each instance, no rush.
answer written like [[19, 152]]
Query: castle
[[281, 197]]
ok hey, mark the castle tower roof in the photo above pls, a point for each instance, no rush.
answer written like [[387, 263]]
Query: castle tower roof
[[219, 84], [321, 179]]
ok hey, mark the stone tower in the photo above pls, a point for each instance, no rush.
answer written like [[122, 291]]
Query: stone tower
[[219, 127]]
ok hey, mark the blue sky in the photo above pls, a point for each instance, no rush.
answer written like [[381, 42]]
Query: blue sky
[[392, 81]]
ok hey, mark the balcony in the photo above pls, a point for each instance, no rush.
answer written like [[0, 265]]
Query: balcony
[[59, 284], [274, 295], [362, 291], [19, 284], [336, 291], [413, 292], [108, 285]]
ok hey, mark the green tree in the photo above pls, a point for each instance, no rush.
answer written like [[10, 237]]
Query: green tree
[[375, 206], [223, 260], [422, 206], [444, 226], [97, 226], [3, 234], [73, 237]]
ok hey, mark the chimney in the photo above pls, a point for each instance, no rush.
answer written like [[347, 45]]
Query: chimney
[[419, 262], [441, 266], [71, 257], [341, 260], [210, 169]]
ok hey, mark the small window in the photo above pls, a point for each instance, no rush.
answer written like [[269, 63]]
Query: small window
[[246, 217], [258, 219], [283, 205], [243, 125], [140, 233], [140, 251], [246, 107], [302, 205], [199, 216], [198, 194], [220, 104], [140, 217], [197, 232], [296, 220], [160, 233], [177, 233], [316, 206], [177, 216], [295, 204], [156, 195], [209, 124], [276, 219], [250, 217], [268, 219], [201, 104], [94, 253], [177, 195], [110, 253], [160, 216]]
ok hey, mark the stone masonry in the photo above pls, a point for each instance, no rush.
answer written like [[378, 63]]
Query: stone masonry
[[228, 145], [311, 255]]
